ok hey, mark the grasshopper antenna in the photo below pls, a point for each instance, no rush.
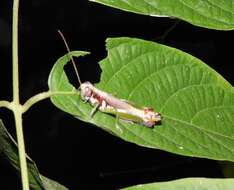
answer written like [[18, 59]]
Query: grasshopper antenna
[[72, 60]]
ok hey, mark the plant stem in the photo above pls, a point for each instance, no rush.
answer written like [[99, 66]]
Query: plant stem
[[16, 103], [21, 147], [15, 52], [6, 104], [42, 96]]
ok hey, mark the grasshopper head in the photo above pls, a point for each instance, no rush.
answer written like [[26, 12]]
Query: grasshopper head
[[86, 91]]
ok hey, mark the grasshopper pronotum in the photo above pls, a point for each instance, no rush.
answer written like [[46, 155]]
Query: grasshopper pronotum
[[108, 103]]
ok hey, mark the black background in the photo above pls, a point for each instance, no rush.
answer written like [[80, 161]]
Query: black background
[[76, 154]]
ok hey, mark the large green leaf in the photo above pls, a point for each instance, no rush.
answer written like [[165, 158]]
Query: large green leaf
[[214, 14], [196, 103], [9, 148], [188, 184]]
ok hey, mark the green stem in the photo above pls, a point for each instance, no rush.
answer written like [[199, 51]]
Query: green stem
[[21, 147], [42, 96], [17, 109], [15, 105], [15, 52], [6, 104]]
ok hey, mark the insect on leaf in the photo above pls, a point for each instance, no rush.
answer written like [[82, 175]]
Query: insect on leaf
[[196, 103]]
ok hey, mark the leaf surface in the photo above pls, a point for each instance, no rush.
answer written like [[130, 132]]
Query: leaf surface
[[196, 103], [188, 184], [214, 14]]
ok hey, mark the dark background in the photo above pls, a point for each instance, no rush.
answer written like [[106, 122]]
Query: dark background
[[76, 154]]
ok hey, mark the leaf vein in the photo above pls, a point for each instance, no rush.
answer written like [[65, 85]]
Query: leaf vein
[[203, 15]]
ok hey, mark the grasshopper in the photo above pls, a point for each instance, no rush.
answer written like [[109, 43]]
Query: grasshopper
[[110, 104]]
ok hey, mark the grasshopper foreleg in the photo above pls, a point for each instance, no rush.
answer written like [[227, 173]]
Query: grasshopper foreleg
[[95, 108]]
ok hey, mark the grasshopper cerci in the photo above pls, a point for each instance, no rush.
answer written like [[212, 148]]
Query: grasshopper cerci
[[110, 104]]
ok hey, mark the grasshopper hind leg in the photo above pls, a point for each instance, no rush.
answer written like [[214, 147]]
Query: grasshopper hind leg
[[118, 124]]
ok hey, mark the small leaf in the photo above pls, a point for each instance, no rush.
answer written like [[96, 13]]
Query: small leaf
[[9, 148], [188, 184], [213, 14], [50, 184], [196, 103]]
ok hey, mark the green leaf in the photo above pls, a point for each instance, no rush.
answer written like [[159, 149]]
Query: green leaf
[[196, 103], [9, 148], [214, 14], [188, 184], [50, 184]]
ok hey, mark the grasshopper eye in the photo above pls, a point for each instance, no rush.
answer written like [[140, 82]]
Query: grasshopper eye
[[88, 92]]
